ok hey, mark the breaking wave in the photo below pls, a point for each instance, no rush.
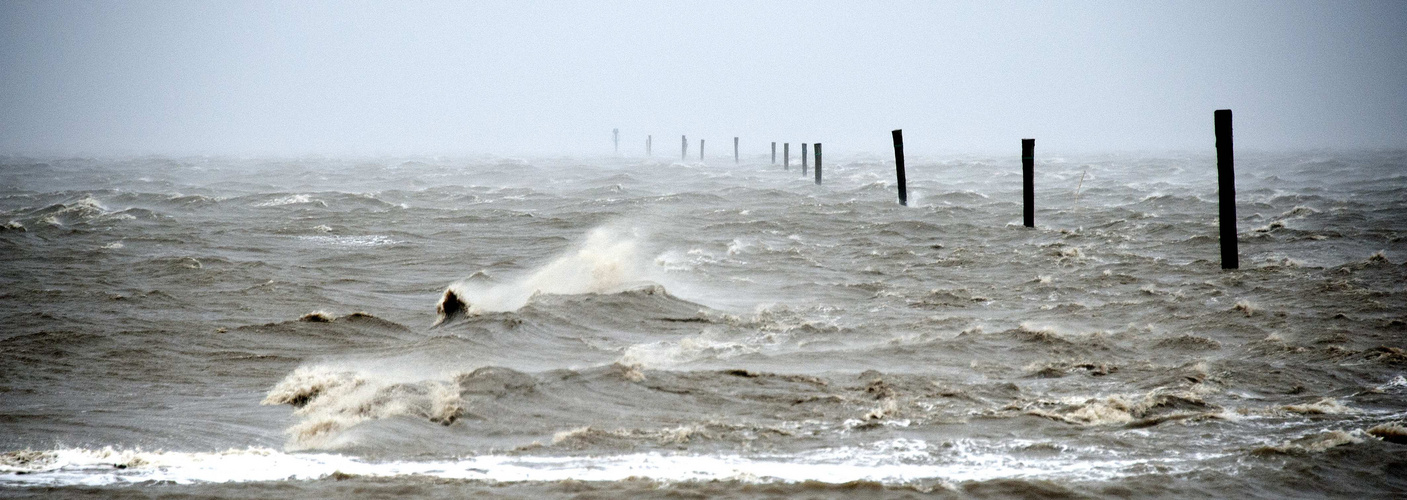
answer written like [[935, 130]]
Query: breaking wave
[[609, 260]]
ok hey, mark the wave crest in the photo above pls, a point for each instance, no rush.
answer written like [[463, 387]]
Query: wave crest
[[609, 260]]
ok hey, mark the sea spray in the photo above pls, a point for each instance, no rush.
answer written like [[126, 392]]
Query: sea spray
[[609, 259]]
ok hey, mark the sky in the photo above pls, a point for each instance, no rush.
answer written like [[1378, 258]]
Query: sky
[[554, 78]]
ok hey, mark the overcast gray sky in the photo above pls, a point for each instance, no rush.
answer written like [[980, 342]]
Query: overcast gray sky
[[517, 77]]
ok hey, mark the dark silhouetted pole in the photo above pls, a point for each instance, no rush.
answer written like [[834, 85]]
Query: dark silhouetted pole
[[817, 147], [1226, 188], [735, 150], [899, 166], [1028, 182], [803, 159], [649, 144], [786, 155], [774, 153], [683, 147], [701, 149]]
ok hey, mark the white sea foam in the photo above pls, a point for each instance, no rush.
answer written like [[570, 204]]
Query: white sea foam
[[370, 240], [664, 354], [676, 261], [891, 461], [287, 200]]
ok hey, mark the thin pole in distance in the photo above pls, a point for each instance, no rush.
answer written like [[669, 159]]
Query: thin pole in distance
[[1028, 182], [899, 166], [817, 148]]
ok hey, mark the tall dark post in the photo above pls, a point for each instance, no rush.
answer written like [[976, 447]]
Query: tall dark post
[[649, 144], [803, 159], [817, 147], [683, 147], [1226, 188], [701, 149], [786, 155], [774, 153], [899, 166], [615, 137], [1028, 181], [735, 150]]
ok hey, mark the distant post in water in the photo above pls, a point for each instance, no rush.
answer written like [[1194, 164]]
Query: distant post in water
[[1028, 182], [774, 153], [899, 166], [649, 143], [683, 147], [735, 150], [701, 149], [786, 155], [817, 147], [1226, 189], [615, 137], [803, 159]]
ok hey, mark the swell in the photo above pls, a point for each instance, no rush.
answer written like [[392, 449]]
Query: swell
[[728, 311]]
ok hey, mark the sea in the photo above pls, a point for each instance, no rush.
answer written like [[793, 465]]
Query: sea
[[624, 326]]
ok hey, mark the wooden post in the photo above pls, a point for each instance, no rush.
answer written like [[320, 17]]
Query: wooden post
[[701, 149], [735, 150], [786, 155], [649, 143], [817, 147], [1226, 188], [615, 138], [774, 153], [899, 166], [803, 159], [683, 147], [1028, 182]]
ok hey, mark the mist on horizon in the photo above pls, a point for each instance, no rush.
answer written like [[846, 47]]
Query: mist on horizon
[[354, 78]]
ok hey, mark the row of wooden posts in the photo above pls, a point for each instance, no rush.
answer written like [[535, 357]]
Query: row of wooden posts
[[786, 158], [1225, 163]]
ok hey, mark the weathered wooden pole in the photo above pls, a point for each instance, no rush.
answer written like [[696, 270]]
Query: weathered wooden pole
[[803, 159], [774, 153], [1028, 182], [735, 150], [649, 144], [1226, 188], [899, 166], [817, 147], [786, 155], [701, 149], [615, 137], [683, 147]]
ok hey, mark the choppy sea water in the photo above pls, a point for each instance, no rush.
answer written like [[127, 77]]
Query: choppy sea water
[[654, 328]]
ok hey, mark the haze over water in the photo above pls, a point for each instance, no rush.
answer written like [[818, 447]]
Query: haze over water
[[388, 251]]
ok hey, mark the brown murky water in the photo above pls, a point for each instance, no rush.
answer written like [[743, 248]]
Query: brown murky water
[[257, 328]]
